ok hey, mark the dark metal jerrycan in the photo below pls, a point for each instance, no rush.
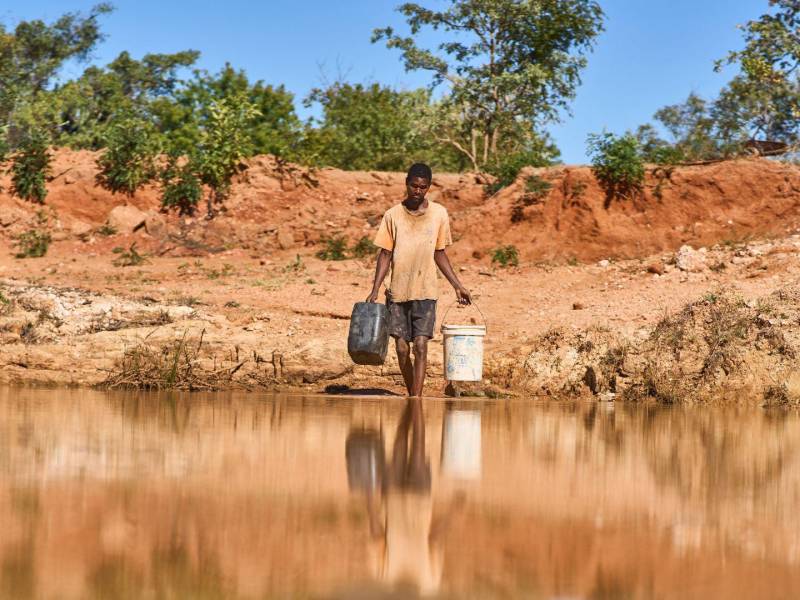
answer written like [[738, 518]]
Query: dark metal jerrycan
[[368, 339]]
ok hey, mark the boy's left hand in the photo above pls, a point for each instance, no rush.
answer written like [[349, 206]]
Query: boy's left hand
[[463, 296]]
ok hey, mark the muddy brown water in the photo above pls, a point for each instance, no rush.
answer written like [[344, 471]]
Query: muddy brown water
[[135, 495]]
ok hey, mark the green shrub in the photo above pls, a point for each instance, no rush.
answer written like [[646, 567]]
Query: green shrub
[[506, 167], [30, 167], [536, 189], [335, 248], [128, 258], [506, 256], [129, 160], [106, 230], [180, 186], [224, 143], [363, 248], [33, 244], [617, 163]]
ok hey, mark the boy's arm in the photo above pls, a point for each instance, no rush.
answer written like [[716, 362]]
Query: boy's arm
[[381, 269], [440, 257]]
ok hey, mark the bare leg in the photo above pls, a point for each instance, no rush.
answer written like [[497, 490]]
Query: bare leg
[[420, 364], [406, 366]]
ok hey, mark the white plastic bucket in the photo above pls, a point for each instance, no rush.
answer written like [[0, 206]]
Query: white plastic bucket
[[463, 352]]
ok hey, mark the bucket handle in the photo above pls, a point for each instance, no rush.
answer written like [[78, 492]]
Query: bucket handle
[[444, 318]]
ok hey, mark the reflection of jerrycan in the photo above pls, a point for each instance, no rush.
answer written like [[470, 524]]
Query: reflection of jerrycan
[[364, 454], [463, 350], [461, 444]]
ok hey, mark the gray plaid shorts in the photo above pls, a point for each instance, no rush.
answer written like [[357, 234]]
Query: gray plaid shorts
[[411, 319]]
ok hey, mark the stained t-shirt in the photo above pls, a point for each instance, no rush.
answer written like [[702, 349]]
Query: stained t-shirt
[[412, 239]]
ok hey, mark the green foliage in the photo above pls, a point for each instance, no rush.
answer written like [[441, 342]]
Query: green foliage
[[506, 256], [536, 189], [129, 257], [274, 129], [33, 243], [335, 248], [30, 167], [363, 248], [224, 142], [32, 54], [507, 63], [617, 163], [180, 187], [129, 161], [373, 127], [506, 167], [106, 230]]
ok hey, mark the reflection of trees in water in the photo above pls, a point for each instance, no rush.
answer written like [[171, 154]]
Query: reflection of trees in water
[[710, 454]]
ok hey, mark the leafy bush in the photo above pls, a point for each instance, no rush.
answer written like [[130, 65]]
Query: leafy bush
[[335, 248], [536, 189], [506, 256], [33, 244], [129, 161], [617, 163], [506, 168], [224, 143], [363, 248], [180, 187], [106, 230], [30, 167], [128, 258]]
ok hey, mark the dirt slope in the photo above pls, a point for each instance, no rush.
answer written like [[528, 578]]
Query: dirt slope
[[280, 205]]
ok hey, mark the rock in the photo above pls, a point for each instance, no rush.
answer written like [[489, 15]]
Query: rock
[[80, 229], [690, 260], [604, 263], [156, 224], [59, 236], [285, 238], [656, 268], [9, 216], [69, 179], [578, 306], [126, 218]]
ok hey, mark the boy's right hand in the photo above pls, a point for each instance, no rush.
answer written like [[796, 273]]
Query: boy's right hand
[[373, 297]]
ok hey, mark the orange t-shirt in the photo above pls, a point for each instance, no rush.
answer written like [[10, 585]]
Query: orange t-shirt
[[412, 239]]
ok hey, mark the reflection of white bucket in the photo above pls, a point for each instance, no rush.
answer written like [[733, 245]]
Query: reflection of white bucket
[[461, 446], [463, 352]]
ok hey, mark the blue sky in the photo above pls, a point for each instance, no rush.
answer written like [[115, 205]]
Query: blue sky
[[653, 52]]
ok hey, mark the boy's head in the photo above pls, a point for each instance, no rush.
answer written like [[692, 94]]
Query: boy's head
[[418, 181]]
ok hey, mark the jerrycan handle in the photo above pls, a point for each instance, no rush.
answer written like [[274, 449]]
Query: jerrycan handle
[[444, 318]]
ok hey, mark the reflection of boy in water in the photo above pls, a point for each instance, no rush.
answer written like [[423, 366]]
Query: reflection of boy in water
[[408, 543]]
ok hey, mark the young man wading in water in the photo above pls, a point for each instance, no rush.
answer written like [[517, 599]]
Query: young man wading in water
[[412, 238]]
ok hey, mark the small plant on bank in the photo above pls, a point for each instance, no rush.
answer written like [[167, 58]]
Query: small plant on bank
[[180, 186], [33, 244], [506, 167], [129, 257], [335, 248], [536, 189], [30, 167], [617, 163], [506, 256], [296, 266], [107, 230], [364, 248], [129, 161]]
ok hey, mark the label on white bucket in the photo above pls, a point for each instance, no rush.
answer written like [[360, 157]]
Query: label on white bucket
[[463, 352]]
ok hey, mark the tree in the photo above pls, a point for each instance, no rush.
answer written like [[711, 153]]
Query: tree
[[34, 52], [511, 65], [30, 167], [129, 160], [276, 129], [617, 164], [764, 100], [180, 186], [373, 127], [224, 142]]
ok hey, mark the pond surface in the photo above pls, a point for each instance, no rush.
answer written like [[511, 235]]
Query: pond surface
[[246, 496]]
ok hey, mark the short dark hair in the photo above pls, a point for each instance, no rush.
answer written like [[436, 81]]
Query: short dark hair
[[420, 170]]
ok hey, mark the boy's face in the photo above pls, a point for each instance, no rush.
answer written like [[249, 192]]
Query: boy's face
[[416, 188]]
